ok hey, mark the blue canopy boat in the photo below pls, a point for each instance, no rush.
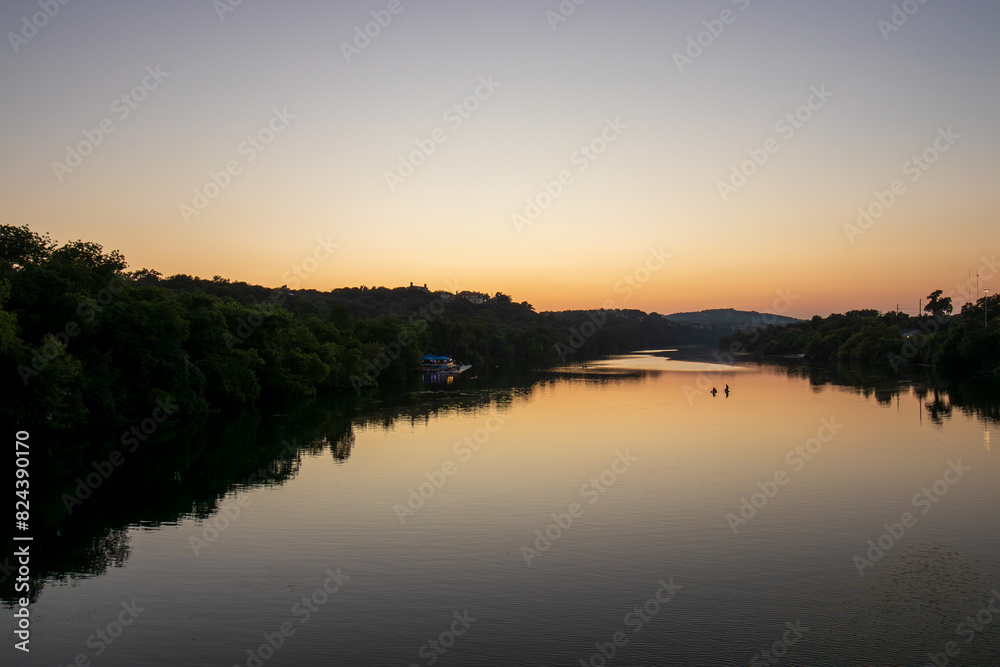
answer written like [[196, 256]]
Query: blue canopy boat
[[438, 365]]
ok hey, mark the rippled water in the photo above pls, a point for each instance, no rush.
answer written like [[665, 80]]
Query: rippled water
[[614, 514]]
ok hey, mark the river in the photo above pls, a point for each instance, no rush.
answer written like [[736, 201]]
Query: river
[[608, 513]]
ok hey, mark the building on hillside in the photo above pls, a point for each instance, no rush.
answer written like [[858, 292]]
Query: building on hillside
[[473, 297]]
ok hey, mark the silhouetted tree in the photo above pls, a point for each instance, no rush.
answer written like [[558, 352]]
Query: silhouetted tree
[[937, 306]]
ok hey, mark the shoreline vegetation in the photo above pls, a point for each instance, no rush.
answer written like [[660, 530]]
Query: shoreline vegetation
[[967, 343], [90, 346], [88, 343], [158, 398]]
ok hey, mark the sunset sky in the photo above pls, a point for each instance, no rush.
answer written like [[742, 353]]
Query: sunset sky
[[309, 115]]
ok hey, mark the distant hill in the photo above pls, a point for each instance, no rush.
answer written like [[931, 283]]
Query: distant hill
[[731, 316]]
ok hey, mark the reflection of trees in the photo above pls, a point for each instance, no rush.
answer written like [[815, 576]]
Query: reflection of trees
[[52, 549], [163, 481], [883, 388], [190, 473], [884, 397], [977, 397], [341, 448], [599, 375], [938, 409]]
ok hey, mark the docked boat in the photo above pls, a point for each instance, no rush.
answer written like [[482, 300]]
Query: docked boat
[[438, 365]]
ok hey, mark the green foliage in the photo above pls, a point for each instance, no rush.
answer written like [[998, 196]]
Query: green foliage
[[9, 342], [87, 342], [962, 344], [21, 247]]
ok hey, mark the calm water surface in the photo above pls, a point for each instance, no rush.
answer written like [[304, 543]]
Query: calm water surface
[[613, 514]]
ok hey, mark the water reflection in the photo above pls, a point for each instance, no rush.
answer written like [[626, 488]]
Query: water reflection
[[189, 473], [974, 396], [83, 528]]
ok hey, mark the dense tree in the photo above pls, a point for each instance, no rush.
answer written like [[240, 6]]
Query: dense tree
[[86, 341], [962, 344]]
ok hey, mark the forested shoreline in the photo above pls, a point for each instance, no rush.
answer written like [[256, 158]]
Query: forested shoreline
[[963, 343], [88, 342]]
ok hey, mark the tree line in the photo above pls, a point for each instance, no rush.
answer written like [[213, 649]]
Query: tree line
[[87, 341], [966, 342]]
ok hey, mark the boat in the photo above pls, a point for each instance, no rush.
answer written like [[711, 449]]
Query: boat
[[438, 365]]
